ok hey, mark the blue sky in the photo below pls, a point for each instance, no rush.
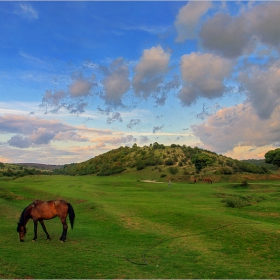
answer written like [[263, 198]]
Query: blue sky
[[80, 78]]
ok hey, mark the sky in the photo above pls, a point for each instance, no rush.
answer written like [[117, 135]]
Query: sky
[[78, 79]]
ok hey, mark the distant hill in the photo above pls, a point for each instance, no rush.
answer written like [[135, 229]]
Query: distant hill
[[164, 160], [261, 162], [41, 166], [23, 169]]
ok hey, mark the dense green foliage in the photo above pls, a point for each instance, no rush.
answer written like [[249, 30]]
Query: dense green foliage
[[129, 229], [273, 157], [174, 159], [201, 160]]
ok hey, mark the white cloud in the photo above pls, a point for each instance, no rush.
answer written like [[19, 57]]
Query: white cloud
[[116, 83], [203, 75], [262, 87], [233, 36], [150, 70], [187, 21], [80, 87]]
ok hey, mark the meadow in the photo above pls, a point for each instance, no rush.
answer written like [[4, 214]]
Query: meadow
[[126, 228]]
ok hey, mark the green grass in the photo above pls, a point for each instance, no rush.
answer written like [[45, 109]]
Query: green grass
[[126, 228]]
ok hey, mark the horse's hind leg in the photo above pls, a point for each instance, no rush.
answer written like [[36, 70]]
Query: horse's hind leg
[[64, 232], [44, 229]]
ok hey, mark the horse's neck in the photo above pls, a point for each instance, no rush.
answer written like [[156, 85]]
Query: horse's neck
[[26, 215]]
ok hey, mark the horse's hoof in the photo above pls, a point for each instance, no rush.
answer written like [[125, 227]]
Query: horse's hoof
[[62, 241], [48, 239], [33, 240]]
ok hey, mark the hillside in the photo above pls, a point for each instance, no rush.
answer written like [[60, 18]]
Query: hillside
[[40, 166], [165, 160], [21, 169]]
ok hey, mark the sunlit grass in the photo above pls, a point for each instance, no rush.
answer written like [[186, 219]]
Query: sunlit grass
[[126, 228]]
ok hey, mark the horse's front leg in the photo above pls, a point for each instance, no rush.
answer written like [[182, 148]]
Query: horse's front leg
[[44, 229], [35, 230]]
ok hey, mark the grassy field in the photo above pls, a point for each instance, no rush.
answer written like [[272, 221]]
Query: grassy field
[[126, 228]]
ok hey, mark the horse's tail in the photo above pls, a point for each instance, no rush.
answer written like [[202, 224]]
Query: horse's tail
[[71, 213]]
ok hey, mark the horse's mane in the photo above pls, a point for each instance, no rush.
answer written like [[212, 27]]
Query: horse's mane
[[23, 216]]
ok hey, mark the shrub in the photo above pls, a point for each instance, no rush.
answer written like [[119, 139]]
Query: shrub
[[244, 183], [140, 165], [173, 170], [238, 201], [169, 162]]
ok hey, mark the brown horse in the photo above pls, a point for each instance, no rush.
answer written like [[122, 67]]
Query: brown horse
[[207, 180], [45, 210]]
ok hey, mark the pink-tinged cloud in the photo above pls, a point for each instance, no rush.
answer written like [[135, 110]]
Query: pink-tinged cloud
[[238, 126], [31, 131]]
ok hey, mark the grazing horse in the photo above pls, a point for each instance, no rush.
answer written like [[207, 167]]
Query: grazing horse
[[207, 180], [45, 210]]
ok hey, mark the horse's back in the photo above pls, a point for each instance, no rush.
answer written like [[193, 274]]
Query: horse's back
[[43, 210]]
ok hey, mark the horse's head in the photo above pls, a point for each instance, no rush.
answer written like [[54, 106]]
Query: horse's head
[[21, 229]]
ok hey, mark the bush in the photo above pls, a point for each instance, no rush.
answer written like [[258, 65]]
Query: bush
[[140, 165], [244, 183], [173, 170], [224, 170], [169, 162], [238, 201]]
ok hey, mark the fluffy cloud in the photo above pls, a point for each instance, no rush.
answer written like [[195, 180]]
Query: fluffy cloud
[[203, 75], [225, 35], [53, 98], [150, 71], [238, 126], [187, 20], [80, 87], [74, 99], [116, 82], [19, 141], [262, 87], [233, 36], [265, 21]]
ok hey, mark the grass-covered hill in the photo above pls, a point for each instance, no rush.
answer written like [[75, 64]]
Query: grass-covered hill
[[165, 160]]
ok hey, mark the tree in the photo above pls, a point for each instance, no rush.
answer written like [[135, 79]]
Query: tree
[[273, 157], [201, 161]]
